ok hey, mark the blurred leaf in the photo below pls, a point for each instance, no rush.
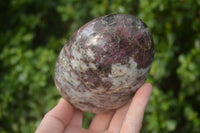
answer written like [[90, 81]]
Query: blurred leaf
[[171, 125]]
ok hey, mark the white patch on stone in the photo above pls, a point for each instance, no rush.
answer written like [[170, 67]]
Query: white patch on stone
[[93, 66], [66, 74], [62, 55], [90, 54], [94, 40], [75, 52], [78, 65], [118, 70], [88, 30], [123, 76], [74, 79]]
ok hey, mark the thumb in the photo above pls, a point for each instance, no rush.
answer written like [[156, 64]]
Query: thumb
[[57, 118]]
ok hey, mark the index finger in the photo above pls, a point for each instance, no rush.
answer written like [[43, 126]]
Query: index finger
[[134, 116]]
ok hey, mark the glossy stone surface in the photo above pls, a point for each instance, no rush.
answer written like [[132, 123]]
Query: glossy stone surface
[[104, 63]]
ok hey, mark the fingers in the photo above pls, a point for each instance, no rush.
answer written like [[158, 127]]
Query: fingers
[[75, 126], [101, 121], [77, 118], [56, 119], [118, 118], [134, 117]]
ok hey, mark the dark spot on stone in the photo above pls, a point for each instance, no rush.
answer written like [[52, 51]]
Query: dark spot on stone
[[79, 88], [108, 19], [144, 58], [143, 24], [94, 34], [91, 79], [104, 70], [133, 23], [107, 85], [140, 78], [141, 41]]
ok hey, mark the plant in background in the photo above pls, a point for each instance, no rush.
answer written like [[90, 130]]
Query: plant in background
[[33, 32]]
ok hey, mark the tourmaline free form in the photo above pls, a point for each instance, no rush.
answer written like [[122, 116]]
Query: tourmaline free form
[[104, 63]]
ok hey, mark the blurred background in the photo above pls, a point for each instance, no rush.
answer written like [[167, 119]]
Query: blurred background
[[32, 33]]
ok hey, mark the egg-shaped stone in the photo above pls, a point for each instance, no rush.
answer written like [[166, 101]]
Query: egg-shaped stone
[[104, 63]]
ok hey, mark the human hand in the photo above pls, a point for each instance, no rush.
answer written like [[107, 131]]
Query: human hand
[[63, 118]]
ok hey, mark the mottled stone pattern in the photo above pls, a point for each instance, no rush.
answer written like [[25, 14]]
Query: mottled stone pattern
[[104, 63]]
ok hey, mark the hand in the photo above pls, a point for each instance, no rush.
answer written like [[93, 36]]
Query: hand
[[63, 118]]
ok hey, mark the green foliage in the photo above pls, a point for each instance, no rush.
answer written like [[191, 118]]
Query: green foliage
[[33, 33], [87, 118]]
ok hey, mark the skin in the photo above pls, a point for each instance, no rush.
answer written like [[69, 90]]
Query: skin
[[63, 118]]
